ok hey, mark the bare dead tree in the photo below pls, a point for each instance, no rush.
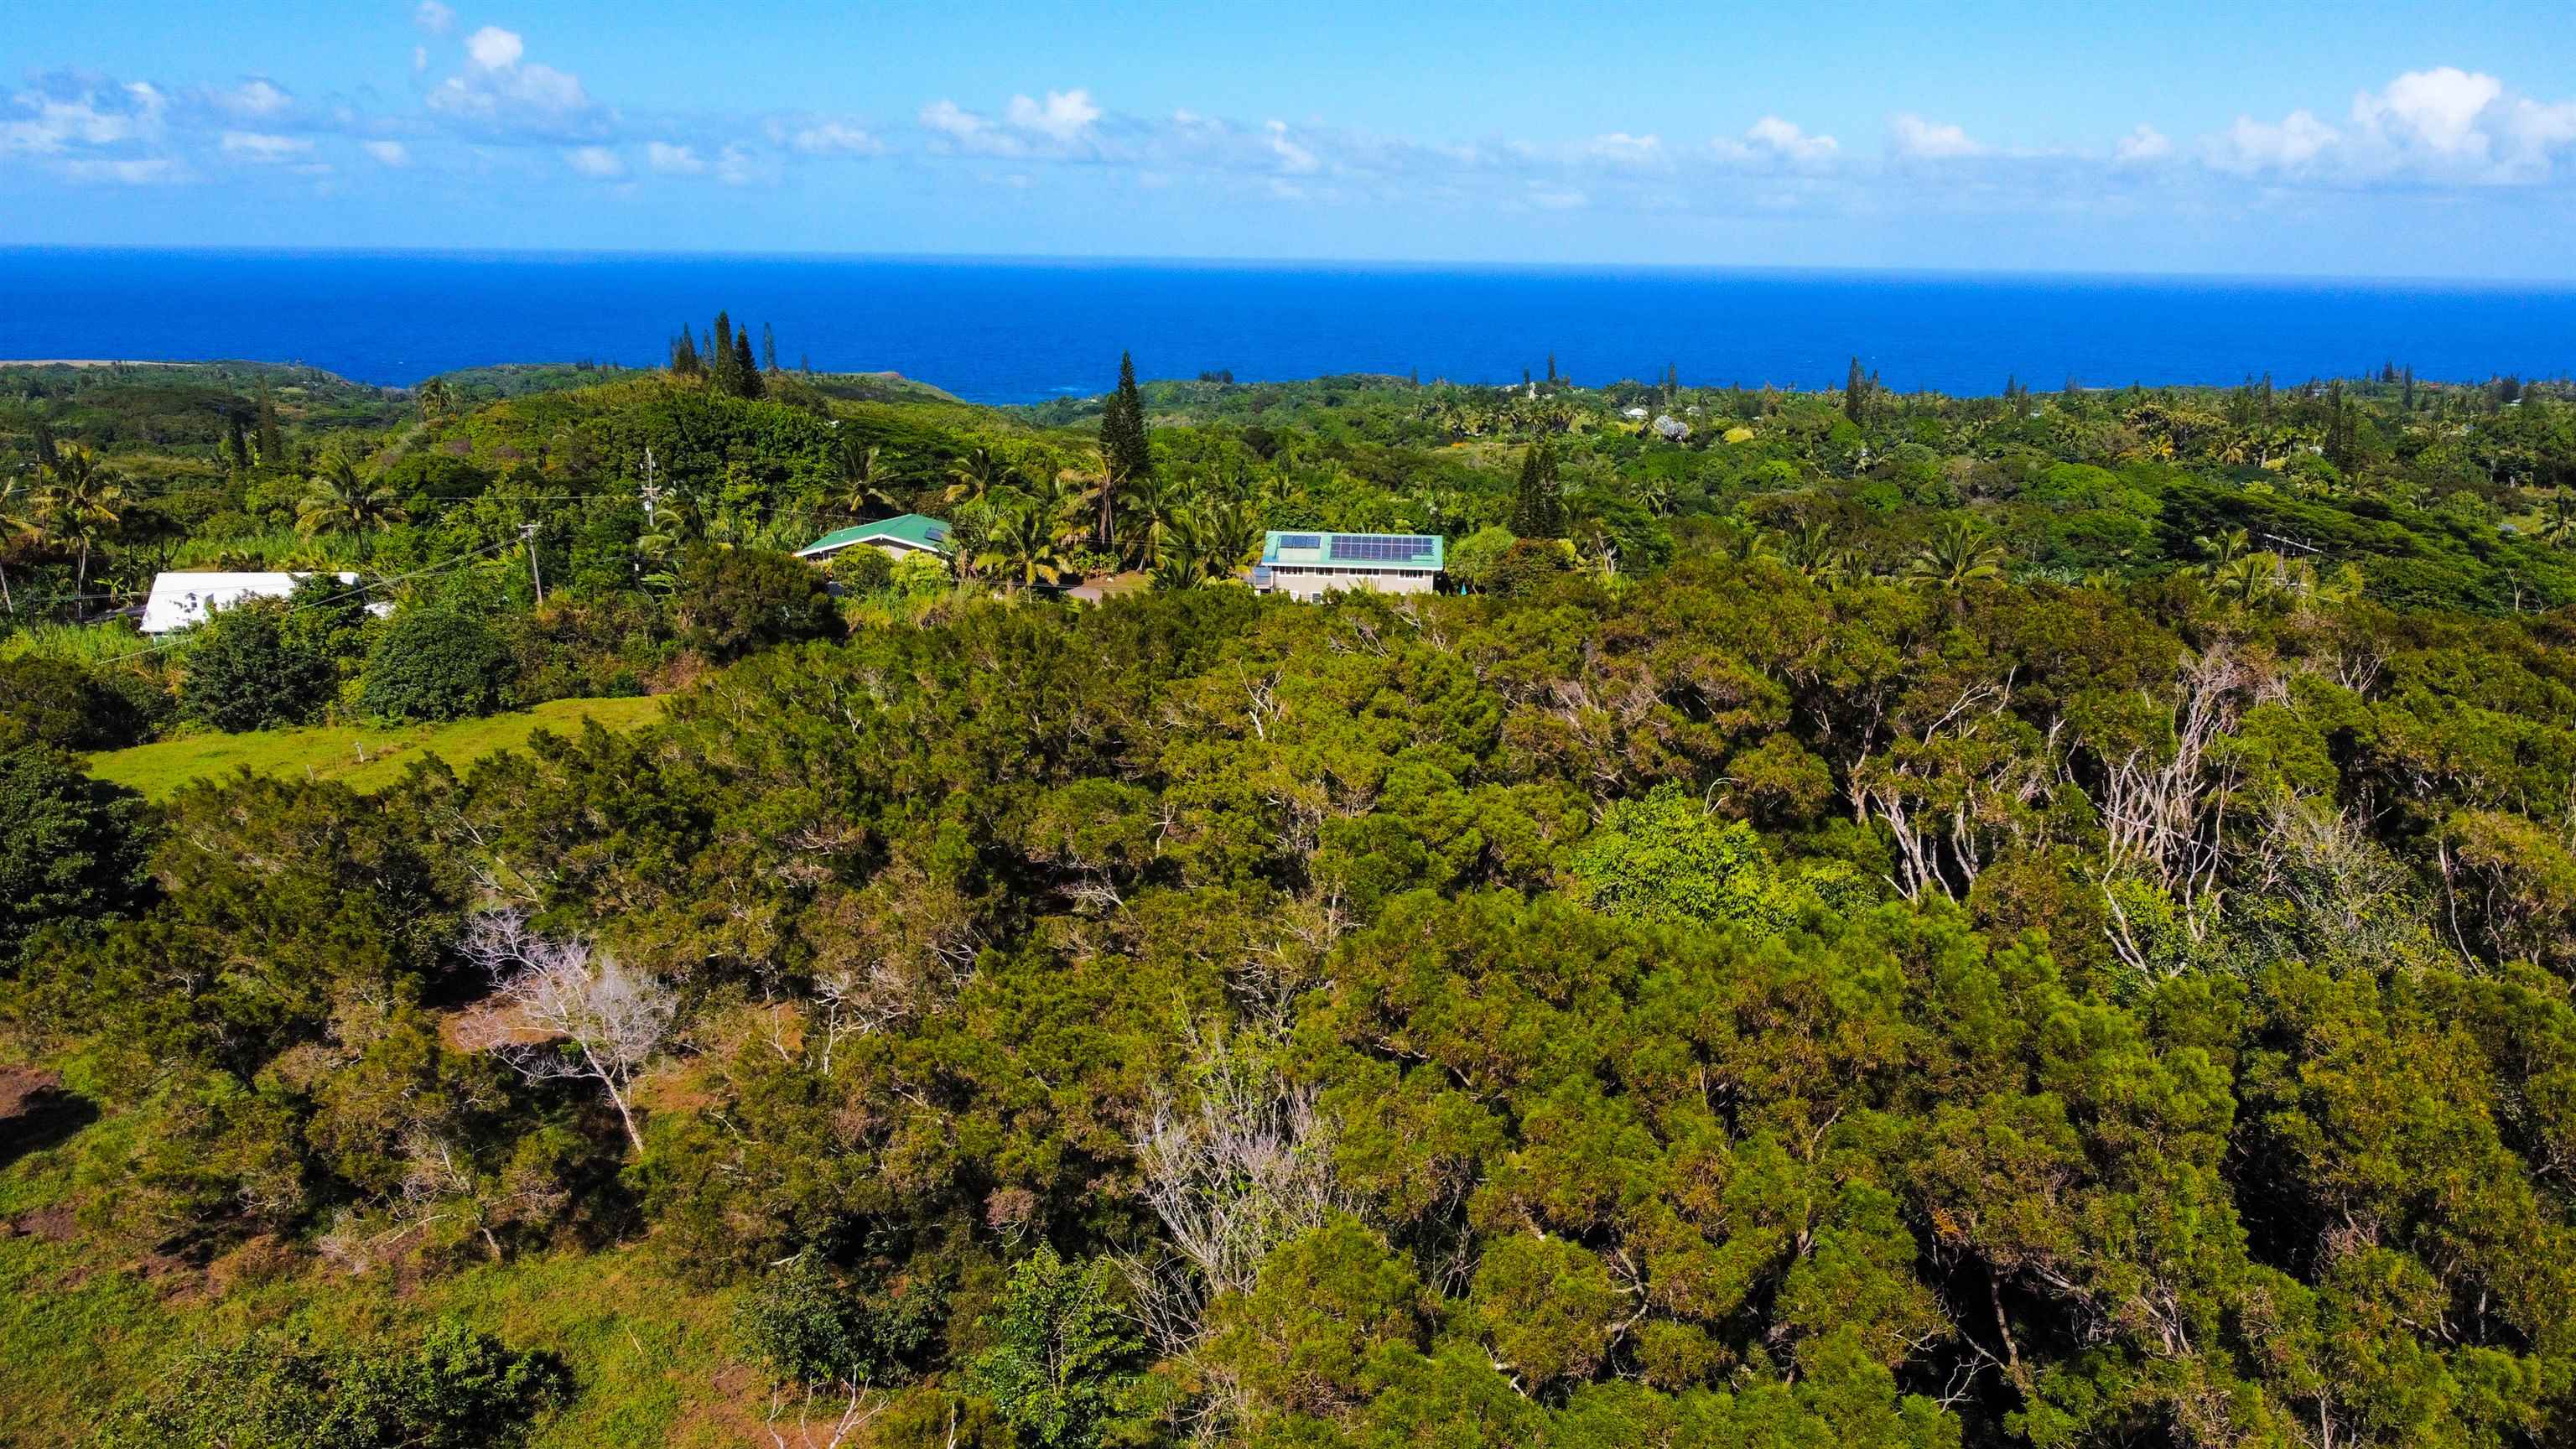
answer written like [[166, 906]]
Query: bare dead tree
[[569, 1012], [1243, 1166], [854, 1412]]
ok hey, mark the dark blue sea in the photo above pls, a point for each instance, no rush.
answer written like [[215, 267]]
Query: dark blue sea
[[1012, 331]]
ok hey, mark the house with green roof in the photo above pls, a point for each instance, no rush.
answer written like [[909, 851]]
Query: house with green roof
[[909, 533], [1305, 565]]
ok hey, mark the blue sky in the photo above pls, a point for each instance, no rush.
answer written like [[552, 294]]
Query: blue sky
[[2362, 138]]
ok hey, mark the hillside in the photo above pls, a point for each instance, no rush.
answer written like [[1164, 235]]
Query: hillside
[[1848, 918]]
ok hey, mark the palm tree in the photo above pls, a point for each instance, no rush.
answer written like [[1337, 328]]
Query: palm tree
[[17, 516], [1154, 504], [2558, 520], [863, 481], [1956, 554], [1103, 489], [1024, 544], [977, 476], [77, 504], [2248, 578], [1810, 551], [342, 502]]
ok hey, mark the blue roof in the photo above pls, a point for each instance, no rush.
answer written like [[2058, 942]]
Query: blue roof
[[1401, 552]]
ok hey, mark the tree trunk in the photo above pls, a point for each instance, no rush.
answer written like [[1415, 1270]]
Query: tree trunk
[[617, 1099]]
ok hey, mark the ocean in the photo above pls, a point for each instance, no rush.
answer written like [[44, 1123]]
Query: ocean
[[1019, 331]]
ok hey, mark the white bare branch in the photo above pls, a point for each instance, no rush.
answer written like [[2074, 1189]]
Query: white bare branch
[[566, 1011]]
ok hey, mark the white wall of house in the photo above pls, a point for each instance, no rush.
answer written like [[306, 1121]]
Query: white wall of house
[[1306, 581]]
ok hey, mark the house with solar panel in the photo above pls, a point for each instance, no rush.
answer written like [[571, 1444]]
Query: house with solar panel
[[908, 533], [1305, 565]]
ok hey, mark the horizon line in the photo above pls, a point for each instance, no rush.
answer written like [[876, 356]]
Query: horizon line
[[1892, 272]]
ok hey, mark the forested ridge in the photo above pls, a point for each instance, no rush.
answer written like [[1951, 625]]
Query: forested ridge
[[1861, 919]]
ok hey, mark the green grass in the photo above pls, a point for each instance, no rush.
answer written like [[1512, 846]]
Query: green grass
[[362, 757]]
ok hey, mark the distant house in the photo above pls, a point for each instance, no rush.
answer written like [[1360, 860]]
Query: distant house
[[183, 600], [1304, 565], [909, 533], [1634, 415]]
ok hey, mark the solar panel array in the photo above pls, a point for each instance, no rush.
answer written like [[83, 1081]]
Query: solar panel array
[[1300, 540], [1369, 548]]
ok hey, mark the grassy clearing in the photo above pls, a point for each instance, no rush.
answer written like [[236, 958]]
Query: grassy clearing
[[363, 757]]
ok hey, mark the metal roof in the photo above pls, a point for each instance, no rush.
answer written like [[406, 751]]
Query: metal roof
[[181, 600], [910, 530], [1390, 552]]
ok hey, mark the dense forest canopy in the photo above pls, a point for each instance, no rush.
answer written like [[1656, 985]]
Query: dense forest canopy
[[1857, 918]]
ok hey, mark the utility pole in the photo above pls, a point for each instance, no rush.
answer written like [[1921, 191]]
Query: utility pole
[[528, 531], [652, 491]]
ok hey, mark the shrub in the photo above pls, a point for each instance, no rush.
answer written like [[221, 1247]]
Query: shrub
[[1473, 559], [920, 573], [1527, 567], [246, 672], [70, 706], [734, 601], [68, 844], [455, 1389], [436, 664], [811, 1330], [862, 569]]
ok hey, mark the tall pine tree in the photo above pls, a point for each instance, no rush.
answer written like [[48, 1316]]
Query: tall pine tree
[[721, 364], [746, 375], [1538, 507], [272, 443], [236, 445], [1123, 441]]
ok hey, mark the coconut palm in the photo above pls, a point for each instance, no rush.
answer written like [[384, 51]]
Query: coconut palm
[[17, 517], [2558, 520], [339, 501], [863, 478], [76, 506], [977, 476], [1026, 547], [1957, 554], [1101, 489], [1154, 504], [1810, 551], [2248, 579]]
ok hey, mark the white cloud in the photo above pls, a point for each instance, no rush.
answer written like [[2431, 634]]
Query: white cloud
[[2252, 146], [387, 153], [1064, 117], [831, 138], [255, 98], [1918, 139], [2435, 109], [1294, 159], [2143, 145], [951, 119], [737, 166], [1618, 148], [257, 146], [1781, 138], [502, 92], [669, 160], [433, 17], [61, 114], [1557, 198], [596, 162], [140, 171], [493, 48]]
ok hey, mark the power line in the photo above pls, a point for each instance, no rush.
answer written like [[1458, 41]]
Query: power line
[[180, 636]]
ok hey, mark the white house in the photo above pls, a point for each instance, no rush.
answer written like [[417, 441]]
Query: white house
[[1306, 565], [181, 600]]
